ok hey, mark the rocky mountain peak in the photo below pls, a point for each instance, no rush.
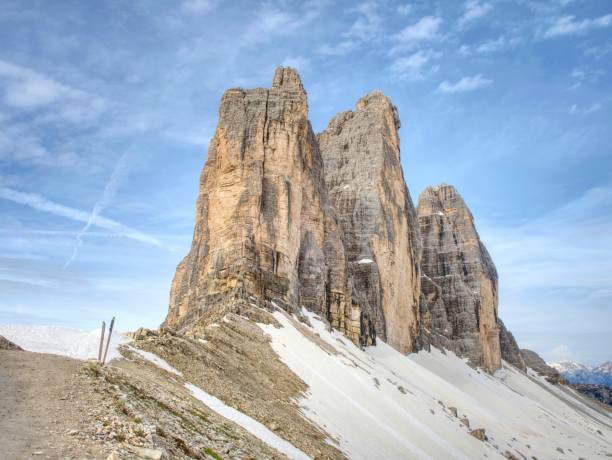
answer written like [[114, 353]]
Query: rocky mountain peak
[[326, 223], [287, 78], [459, 279]]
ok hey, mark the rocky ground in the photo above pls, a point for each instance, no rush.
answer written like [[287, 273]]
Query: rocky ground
[[59, 408], [600, 393]]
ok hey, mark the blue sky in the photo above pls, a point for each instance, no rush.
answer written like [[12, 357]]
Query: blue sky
[[106, 110]]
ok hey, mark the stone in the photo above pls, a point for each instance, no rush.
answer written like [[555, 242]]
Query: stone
[[510, 351], [263, 225], [366, 188], [465, 422], [6, 344], [146, 453], [459, 280], [479, 433], [113, 456], [453, 410]]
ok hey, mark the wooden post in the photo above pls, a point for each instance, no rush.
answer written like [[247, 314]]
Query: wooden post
[[101, 342], [110, 332]]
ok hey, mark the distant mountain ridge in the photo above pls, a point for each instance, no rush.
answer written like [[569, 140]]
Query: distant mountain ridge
[[577, 373]]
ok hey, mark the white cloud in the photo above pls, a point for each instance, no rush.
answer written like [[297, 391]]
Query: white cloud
[[427, 28], [271, 21], [414, 67], [297, 62], [198, 6], [19, 145], [561, 352], [577, 110], [491, 46], [340, 49], [24, 89], [568, 25], [404, 9], [40, 203], [465, 84], [474, 9], [368, 25]]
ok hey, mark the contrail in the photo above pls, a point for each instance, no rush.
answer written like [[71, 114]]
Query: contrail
[[109, 192], [40, 203]]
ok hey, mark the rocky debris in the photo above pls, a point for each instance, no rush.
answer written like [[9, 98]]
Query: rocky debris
[[141, 333], [601, 393], [479, 433], [459, 279], [535, 362], [453, 410], [366, 188], [510, 351], [263, 224], [6, 344], [232, 359]]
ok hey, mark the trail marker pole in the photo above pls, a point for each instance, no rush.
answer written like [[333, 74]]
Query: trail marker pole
[[110, 332], [101, 342]]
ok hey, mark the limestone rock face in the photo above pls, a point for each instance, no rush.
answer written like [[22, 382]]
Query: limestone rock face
[[510, 351], [366, 188], [459, 280], [263, 225]]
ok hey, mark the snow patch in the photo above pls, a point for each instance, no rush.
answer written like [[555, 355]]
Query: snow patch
[[365, 261], [64, 341], [378, 403], [251, 425], [159, 362]]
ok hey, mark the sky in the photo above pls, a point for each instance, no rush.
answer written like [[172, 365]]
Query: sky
[[107, 108]]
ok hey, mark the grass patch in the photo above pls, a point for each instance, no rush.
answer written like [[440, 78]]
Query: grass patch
[[211, 453]]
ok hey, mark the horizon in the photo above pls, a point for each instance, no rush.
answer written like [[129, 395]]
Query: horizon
[[107, 111]]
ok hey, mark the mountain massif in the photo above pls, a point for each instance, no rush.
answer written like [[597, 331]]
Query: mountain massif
[[326, 222], [317, 315]]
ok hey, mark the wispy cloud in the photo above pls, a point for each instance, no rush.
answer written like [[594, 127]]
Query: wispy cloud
[[340, 49], [404, 9], [368, 24], [40, 203], [569, 25], [491, 46], [26, 90], [577, 110], [198, 6], [365, 28], [414, 67], [474, 9], [465, 84], [427, 28]]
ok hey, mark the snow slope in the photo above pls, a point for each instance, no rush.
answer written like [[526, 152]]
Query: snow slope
[[379, 403], [58, 340]]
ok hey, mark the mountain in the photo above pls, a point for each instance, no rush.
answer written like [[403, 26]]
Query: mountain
[[317, 314], [459, 279], [577, 373]]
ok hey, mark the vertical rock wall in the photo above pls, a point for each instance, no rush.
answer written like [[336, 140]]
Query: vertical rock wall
[[459, 280], [366, 187], [263, 226]]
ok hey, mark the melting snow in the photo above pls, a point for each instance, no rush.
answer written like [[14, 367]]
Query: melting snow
[[159, 362], [379, 403], [365, 261], [251, 425], [58, 340]]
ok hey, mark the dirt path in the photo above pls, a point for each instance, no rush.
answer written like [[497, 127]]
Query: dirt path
[[41, 414]]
